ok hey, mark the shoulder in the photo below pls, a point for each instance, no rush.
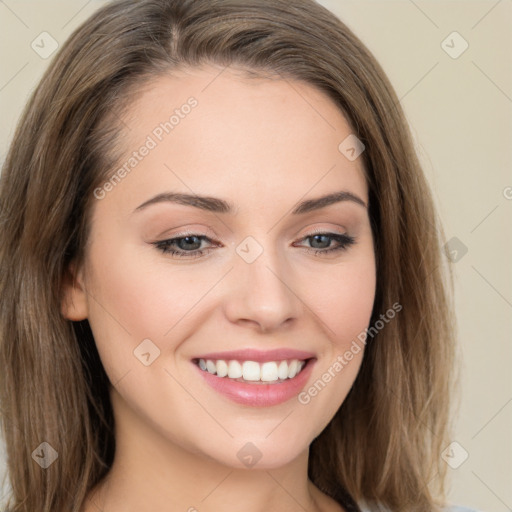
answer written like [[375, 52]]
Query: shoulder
[[379, 508], [460, 509]]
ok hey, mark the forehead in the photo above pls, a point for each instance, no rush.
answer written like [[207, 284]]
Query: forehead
[[217, 131]]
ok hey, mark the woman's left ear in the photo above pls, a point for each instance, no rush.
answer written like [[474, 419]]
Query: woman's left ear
[[73, 294]]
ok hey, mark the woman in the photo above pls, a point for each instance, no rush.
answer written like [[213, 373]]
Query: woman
[[298, 355]]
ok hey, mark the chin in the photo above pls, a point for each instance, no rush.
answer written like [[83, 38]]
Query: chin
[[259, 453]]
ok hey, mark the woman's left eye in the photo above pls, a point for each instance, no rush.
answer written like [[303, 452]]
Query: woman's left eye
[[189, 246], [343, 242]]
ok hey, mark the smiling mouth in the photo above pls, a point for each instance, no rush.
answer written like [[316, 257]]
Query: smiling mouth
[[269, 372]]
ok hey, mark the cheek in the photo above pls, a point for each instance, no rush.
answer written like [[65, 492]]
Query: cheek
[[343, 301], [342, 297], [128, 302], [136, 295], [351, 312]]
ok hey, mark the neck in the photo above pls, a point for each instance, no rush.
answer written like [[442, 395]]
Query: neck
[[151, 472]]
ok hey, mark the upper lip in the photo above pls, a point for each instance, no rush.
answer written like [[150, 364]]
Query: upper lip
[[279, 354]]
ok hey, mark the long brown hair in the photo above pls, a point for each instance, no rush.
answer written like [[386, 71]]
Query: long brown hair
[[384, 443]]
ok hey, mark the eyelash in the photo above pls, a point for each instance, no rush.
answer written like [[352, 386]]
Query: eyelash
[[344, 241]]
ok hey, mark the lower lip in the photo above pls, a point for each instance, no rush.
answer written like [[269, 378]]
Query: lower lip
[[259, 395]]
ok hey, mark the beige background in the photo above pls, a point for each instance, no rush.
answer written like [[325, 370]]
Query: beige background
[[460, 111]]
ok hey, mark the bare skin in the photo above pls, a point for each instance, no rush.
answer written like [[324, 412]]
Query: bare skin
[[265, 146]]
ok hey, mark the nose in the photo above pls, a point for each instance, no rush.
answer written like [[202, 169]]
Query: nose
[[262, 295]]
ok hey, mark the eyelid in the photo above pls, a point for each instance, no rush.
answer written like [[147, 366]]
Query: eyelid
[[325, 230], [189, 231]]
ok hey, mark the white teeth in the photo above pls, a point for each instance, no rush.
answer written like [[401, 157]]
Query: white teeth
[[222, 368], [269, 372], [234, 370], [292, 368], [252, 371], [282, 371]]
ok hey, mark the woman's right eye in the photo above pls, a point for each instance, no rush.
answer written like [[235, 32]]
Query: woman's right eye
[[177, 247]]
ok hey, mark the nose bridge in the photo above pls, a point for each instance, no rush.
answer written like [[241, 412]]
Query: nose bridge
[[262, 289]]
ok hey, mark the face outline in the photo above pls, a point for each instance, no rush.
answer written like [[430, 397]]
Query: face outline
[[287, 298]]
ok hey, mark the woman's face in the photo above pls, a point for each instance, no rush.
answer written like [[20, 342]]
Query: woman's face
[[251, 290]]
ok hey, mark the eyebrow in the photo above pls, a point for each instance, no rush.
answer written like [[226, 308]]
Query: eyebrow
[[217, 205]]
